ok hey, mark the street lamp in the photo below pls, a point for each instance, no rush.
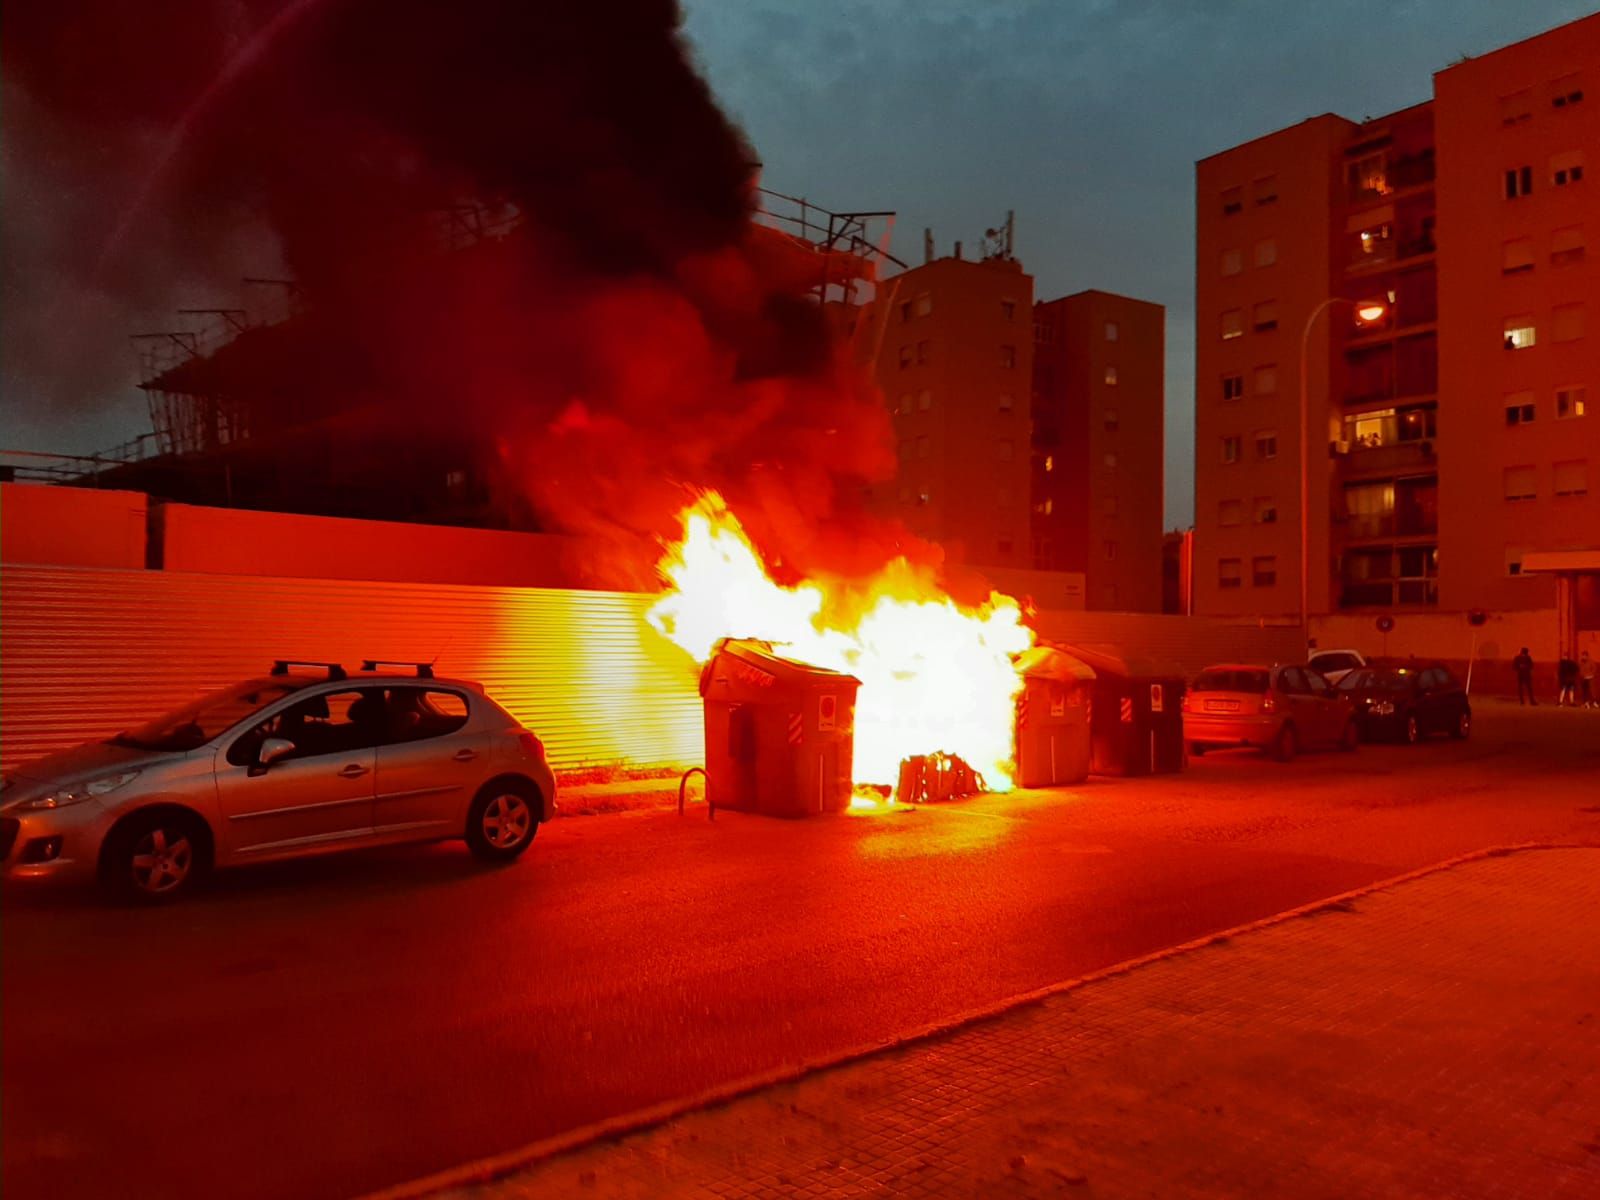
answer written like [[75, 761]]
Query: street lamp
[[1368, 312]]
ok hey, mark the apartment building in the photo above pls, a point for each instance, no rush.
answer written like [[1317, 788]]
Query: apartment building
[[1098, 415], [1417, 285]]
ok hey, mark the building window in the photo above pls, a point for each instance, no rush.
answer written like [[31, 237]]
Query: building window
[[1008, 310], [1229, 512], [1267, 444], [923, 305], [1230, 449], [1569, 403], [1111, 331], [1008, 356], [924, 497], [1266, 252], [1005, 449], [1570, 478], [1566, 323], [1516, 255], [1519, 182], [1110, 549], [1517, 107], [922, 353], [1522, 483], [905, 356], [1232, 201], [1369, 177], [905, 311], [1519, 408], [1007, 402], [1266, 510], [1519, 333], [1232, 262], [1111, 376], [1264, 570], [1265, 316], [1049, 463], [1232, 387], [1230, 572], [1047, 507], [923, 447], [1567, 91], [925, 400], [1232, 324], [1265, 189], [1514, 560], [1111, 461], [1566, 246], [1266, 380], [1566, 169], [904, 404], [908, 450], [1108, 506], [1111, 420]]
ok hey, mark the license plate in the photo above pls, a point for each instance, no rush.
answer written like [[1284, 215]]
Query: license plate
[[1222, 706]]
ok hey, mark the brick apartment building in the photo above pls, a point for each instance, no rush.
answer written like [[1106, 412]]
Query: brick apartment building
[[1028, 435], [1428, 272]]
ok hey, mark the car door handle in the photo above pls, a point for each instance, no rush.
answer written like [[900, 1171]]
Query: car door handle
[[464, 755], [353, 771]]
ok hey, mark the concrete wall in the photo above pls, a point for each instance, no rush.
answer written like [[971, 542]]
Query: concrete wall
[[1448, 637], [73, 527]]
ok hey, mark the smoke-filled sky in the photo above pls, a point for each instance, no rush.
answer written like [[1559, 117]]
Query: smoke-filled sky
[[1086, 118]]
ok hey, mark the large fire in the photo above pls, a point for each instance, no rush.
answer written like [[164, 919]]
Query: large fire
[[935, 676]]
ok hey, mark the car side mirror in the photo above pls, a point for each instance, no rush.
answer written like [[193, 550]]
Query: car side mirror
[[272, 750]]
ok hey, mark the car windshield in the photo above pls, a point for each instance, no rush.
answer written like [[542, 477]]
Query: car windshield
[[1339, 660], [195, 724], [1382, 681], [1232, 679]]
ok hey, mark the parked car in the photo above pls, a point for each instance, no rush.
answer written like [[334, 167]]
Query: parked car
[[289, 764], [1279, 709], [1407, 703], [1336, 664]]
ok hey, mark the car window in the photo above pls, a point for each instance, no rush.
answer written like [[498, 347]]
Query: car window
[[1231, 679], [193, 725], [417, 713], [326, 723], [1293, 681], [1335, 660], [1446, 680], [1354, 681], [1319, 686]]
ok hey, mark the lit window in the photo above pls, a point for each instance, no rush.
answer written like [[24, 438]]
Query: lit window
[[1522, 483], [1267, 444], [1008, 356], [1265, 316], [1007, 401], [1519, 408], [1516, 255], [1519, 333], [1264, 570], [1230, 572], [1049, 462], [1570, 478], [1008, 309], [1569, 403], [1566, 323], [1111, 331], [1229, 512], [1369, 177], [1232, 387], [1232, 262], [1265, 189], [1519, 182], [1266, 510], [1232, 201], [1566, 169], [1266, 379], [1111, 376], [1005, 449], [1048, 507], [1566, 246], [1230, 449], [1232, 324], [1266, 252], [923, 304], [1112, 423], [1374, 241]]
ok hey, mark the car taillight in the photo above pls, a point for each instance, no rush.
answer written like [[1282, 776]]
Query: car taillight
[[1184, 704], [1269, 705], [531, 744]]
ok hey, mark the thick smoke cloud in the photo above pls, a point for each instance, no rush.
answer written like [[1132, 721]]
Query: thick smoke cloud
[[636, 334]]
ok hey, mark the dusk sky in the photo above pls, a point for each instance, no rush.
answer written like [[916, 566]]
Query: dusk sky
[[1086, 118]]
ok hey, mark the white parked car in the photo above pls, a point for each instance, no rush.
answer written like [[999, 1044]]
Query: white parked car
[[1334, 665]]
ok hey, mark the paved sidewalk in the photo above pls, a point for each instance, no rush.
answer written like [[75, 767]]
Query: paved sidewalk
[[1440, 1037]]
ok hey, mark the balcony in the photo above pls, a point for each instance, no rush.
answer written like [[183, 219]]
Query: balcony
[[1358, 459]]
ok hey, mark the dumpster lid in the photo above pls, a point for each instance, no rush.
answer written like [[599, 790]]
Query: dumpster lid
[[1049, 662], [762, 657], [1112, 660]]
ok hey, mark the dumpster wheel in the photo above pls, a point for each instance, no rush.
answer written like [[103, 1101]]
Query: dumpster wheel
[[683, 787]]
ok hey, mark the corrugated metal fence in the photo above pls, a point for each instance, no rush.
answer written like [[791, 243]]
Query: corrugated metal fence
[[85, 652]]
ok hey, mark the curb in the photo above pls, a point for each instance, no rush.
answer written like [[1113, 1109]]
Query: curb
[[486, 1170]]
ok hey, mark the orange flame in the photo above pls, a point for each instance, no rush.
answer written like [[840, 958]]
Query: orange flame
[[934, 675]]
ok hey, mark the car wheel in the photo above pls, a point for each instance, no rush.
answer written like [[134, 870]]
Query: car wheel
[[1463, 726], [502, 821], [156, 857], [1351, 738], [1197, 750], [1413, 731], [1286, 745]]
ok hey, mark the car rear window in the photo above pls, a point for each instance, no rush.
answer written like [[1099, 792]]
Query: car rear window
[[1338, 661], [1232, 679]]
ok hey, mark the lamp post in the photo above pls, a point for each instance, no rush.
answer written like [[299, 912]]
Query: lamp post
[[1369, 312]]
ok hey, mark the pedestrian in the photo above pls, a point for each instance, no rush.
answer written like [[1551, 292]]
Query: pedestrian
[[1586, 675], [1522, 664], [1567, 681]]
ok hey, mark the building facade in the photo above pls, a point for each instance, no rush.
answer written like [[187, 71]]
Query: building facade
[[1418, 286], [1098, 417]]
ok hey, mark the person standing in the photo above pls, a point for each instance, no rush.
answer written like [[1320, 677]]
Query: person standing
[[1586, 677], [1522, 664], [1567, 681]]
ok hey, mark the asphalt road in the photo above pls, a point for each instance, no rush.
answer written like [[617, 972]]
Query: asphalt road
[[329, 1028]]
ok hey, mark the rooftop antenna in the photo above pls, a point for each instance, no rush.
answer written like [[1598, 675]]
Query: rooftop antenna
[[997, 243], [927, 246]]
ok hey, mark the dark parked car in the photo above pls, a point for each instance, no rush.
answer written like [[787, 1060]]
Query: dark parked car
[[1407, 703], [1277, 709]]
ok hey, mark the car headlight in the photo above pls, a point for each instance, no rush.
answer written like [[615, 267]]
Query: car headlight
[[77, 793], [1383, 707]]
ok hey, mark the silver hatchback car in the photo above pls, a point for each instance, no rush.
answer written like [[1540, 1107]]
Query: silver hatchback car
[[294, 763]]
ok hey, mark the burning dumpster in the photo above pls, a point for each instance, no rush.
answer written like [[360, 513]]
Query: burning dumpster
[[1136, 720], [780, 734], [1053, 718]]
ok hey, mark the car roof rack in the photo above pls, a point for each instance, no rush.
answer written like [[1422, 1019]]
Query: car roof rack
[[424, 669], [335, 670]]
